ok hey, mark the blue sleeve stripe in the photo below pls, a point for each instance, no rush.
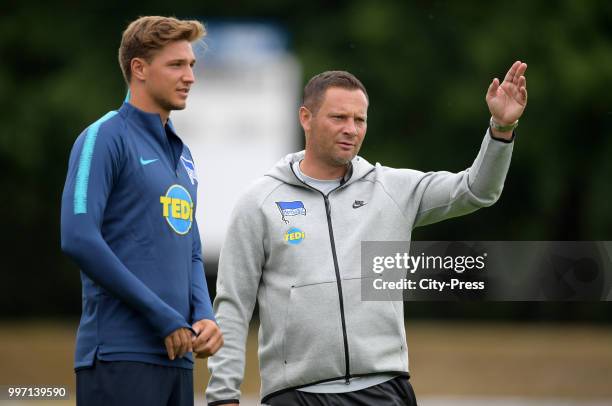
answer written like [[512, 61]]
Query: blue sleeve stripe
[[82, 177]]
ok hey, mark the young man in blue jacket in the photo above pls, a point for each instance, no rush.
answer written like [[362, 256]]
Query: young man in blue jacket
[[128, 221]]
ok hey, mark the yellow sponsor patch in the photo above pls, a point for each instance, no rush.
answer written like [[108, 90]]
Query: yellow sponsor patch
[[177, 208]]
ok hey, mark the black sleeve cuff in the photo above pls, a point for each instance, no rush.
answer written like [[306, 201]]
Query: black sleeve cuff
[[223, 402], [510, 141]]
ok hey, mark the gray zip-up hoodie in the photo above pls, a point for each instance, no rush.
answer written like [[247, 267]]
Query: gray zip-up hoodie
[[297, 253]]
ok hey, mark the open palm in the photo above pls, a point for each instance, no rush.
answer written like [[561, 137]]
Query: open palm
[[508, 101]]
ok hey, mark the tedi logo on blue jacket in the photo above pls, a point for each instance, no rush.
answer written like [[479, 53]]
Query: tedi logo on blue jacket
[[291, 209], [177, 208]]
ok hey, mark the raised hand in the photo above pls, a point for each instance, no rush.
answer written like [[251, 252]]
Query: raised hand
[[508, 101]]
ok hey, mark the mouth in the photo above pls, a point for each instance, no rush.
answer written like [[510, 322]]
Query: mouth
[[346, 145], [183, 92]]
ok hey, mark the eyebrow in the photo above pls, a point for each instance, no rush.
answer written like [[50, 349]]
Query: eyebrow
[[182, 60], [344, 113]]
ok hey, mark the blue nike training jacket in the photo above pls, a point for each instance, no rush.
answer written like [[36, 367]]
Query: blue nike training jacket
[[128, 221]]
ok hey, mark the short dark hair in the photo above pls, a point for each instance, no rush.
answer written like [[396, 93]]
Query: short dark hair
[[316, 87], [146, 35]]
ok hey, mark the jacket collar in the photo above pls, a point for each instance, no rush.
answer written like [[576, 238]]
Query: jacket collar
[[358, 168], [151, 122]]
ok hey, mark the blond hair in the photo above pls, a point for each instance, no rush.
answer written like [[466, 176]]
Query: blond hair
[[146, 35]]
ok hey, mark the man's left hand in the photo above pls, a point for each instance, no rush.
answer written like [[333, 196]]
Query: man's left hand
[[208, 338], [508, 100]]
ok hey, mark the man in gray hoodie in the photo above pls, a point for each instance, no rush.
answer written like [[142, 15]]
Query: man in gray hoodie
[[293, 247]]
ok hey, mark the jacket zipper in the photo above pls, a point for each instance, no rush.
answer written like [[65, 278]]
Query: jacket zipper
[[339, 283], [347, 374], [170, 152]]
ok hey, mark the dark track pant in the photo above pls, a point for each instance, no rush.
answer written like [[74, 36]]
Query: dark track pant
[[120, 383], [396, 392]]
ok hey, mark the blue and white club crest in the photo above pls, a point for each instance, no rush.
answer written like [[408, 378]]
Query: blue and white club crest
[[291, 209], [190, 168]]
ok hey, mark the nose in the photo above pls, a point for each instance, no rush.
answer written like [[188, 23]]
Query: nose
[[350, 127], [188, 76]]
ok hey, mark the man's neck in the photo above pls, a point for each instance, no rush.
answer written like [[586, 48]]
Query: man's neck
[[317, 170], [140, 100]]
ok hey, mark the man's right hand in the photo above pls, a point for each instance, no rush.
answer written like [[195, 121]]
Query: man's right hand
[[178, 343]]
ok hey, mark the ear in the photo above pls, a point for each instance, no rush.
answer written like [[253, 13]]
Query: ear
[[305, 117], [139, 68]]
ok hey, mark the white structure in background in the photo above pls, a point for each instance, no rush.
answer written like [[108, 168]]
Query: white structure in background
[[241, 117]]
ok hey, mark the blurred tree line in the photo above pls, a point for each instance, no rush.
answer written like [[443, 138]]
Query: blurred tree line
[[426, 64]]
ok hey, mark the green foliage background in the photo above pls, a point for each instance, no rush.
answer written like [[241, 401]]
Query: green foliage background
[[426, 64]]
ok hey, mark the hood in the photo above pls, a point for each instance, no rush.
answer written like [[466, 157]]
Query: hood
[[282, 171]]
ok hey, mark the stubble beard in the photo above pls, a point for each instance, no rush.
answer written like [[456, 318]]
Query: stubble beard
[[339, 161], [168, 105]]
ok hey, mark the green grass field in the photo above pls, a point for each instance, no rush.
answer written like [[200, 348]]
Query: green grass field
[[447, 359]]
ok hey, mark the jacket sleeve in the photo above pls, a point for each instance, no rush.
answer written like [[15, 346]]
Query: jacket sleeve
[[95, 164], [201, 307], [240, 267], [444, 195], [429, 197]]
